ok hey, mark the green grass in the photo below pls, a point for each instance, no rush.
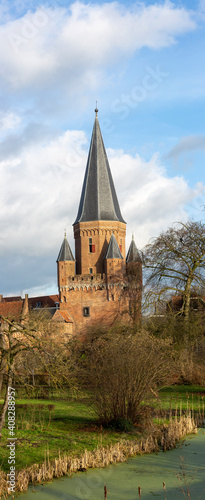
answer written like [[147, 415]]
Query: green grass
[[73, 428], [176, 394]]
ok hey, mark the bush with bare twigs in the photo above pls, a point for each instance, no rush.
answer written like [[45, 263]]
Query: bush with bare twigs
[[120, 369]]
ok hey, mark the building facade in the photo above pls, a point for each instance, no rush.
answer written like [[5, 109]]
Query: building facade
[[94, 286]]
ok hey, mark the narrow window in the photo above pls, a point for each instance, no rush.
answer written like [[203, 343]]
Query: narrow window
[[91, 246], [86, 312], [91, 270]]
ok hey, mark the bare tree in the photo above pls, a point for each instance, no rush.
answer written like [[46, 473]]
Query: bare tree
[[175, 263], [36, 337]]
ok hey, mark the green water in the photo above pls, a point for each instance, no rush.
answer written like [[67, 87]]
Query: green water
[[146, 471]]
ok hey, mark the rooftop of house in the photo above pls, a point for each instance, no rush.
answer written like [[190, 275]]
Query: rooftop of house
[[43, 301], [15, 307], [12, 309], [62, 316]]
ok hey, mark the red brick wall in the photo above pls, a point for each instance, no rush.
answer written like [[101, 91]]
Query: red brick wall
[[105, 305], [100, 232], [64, 270], [104, 291], [114, 268]]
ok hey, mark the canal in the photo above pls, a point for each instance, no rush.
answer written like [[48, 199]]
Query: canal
[[179, 468]]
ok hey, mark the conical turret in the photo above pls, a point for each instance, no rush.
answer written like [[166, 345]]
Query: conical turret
[[133, 254], [114, 262], [65, 263], [113, 251], [65, 252]]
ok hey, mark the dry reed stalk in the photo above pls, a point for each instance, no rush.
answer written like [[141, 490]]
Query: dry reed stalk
[[101, 457], [192, 405], [164, 488]]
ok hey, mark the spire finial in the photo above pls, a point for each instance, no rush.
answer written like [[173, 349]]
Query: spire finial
[[132, 236], [64, 233], [96, 109]]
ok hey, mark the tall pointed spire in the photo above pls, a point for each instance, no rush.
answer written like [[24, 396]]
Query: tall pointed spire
[[98, 199]]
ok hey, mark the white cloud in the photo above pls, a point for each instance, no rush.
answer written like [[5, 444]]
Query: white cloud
[[38, 194], [8, 121], [40, 191], [72, 45], [150, 200]]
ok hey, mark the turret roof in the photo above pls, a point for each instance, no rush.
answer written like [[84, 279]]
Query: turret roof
[[65, 252], [98, 198], [113, 251], [133, 254]]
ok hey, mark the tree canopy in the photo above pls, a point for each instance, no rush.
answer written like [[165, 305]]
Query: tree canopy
[[175, 262]]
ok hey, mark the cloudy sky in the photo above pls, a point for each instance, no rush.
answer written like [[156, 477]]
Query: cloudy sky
[[144, 64]]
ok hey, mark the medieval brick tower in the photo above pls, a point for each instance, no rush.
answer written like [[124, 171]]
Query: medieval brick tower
[[92, 287]]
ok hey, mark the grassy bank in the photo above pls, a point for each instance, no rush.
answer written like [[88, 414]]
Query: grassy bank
[[44, 427], [68, 426], [164, 437]]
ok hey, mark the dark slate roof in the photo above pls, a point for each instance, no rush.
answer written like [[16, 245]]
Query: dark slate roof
[[65, 252], [113, 251], [98, 198], [133, 254]]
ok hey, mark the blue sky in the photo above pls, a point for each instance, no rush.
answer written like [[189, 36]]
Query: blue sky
[[144, 64]]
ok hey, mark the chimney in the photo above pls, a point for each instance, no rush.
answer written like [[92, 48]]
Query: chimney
[[1, 298], [25, 306]]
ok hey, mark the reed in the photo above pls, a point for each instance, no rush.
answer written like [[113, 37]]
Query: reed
[[165, 438], [164, 488]]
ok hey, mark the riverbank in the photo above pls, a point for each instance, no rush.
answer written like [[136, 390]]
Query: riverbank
[[177, 474], [164, 437]]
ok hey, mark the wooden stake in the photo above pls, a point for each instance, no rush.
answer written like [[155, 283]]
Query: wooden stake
[[105, 492]]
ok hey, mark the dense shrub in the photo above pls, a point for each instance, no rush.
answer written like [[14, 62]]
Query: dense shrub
[[120, 369]]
